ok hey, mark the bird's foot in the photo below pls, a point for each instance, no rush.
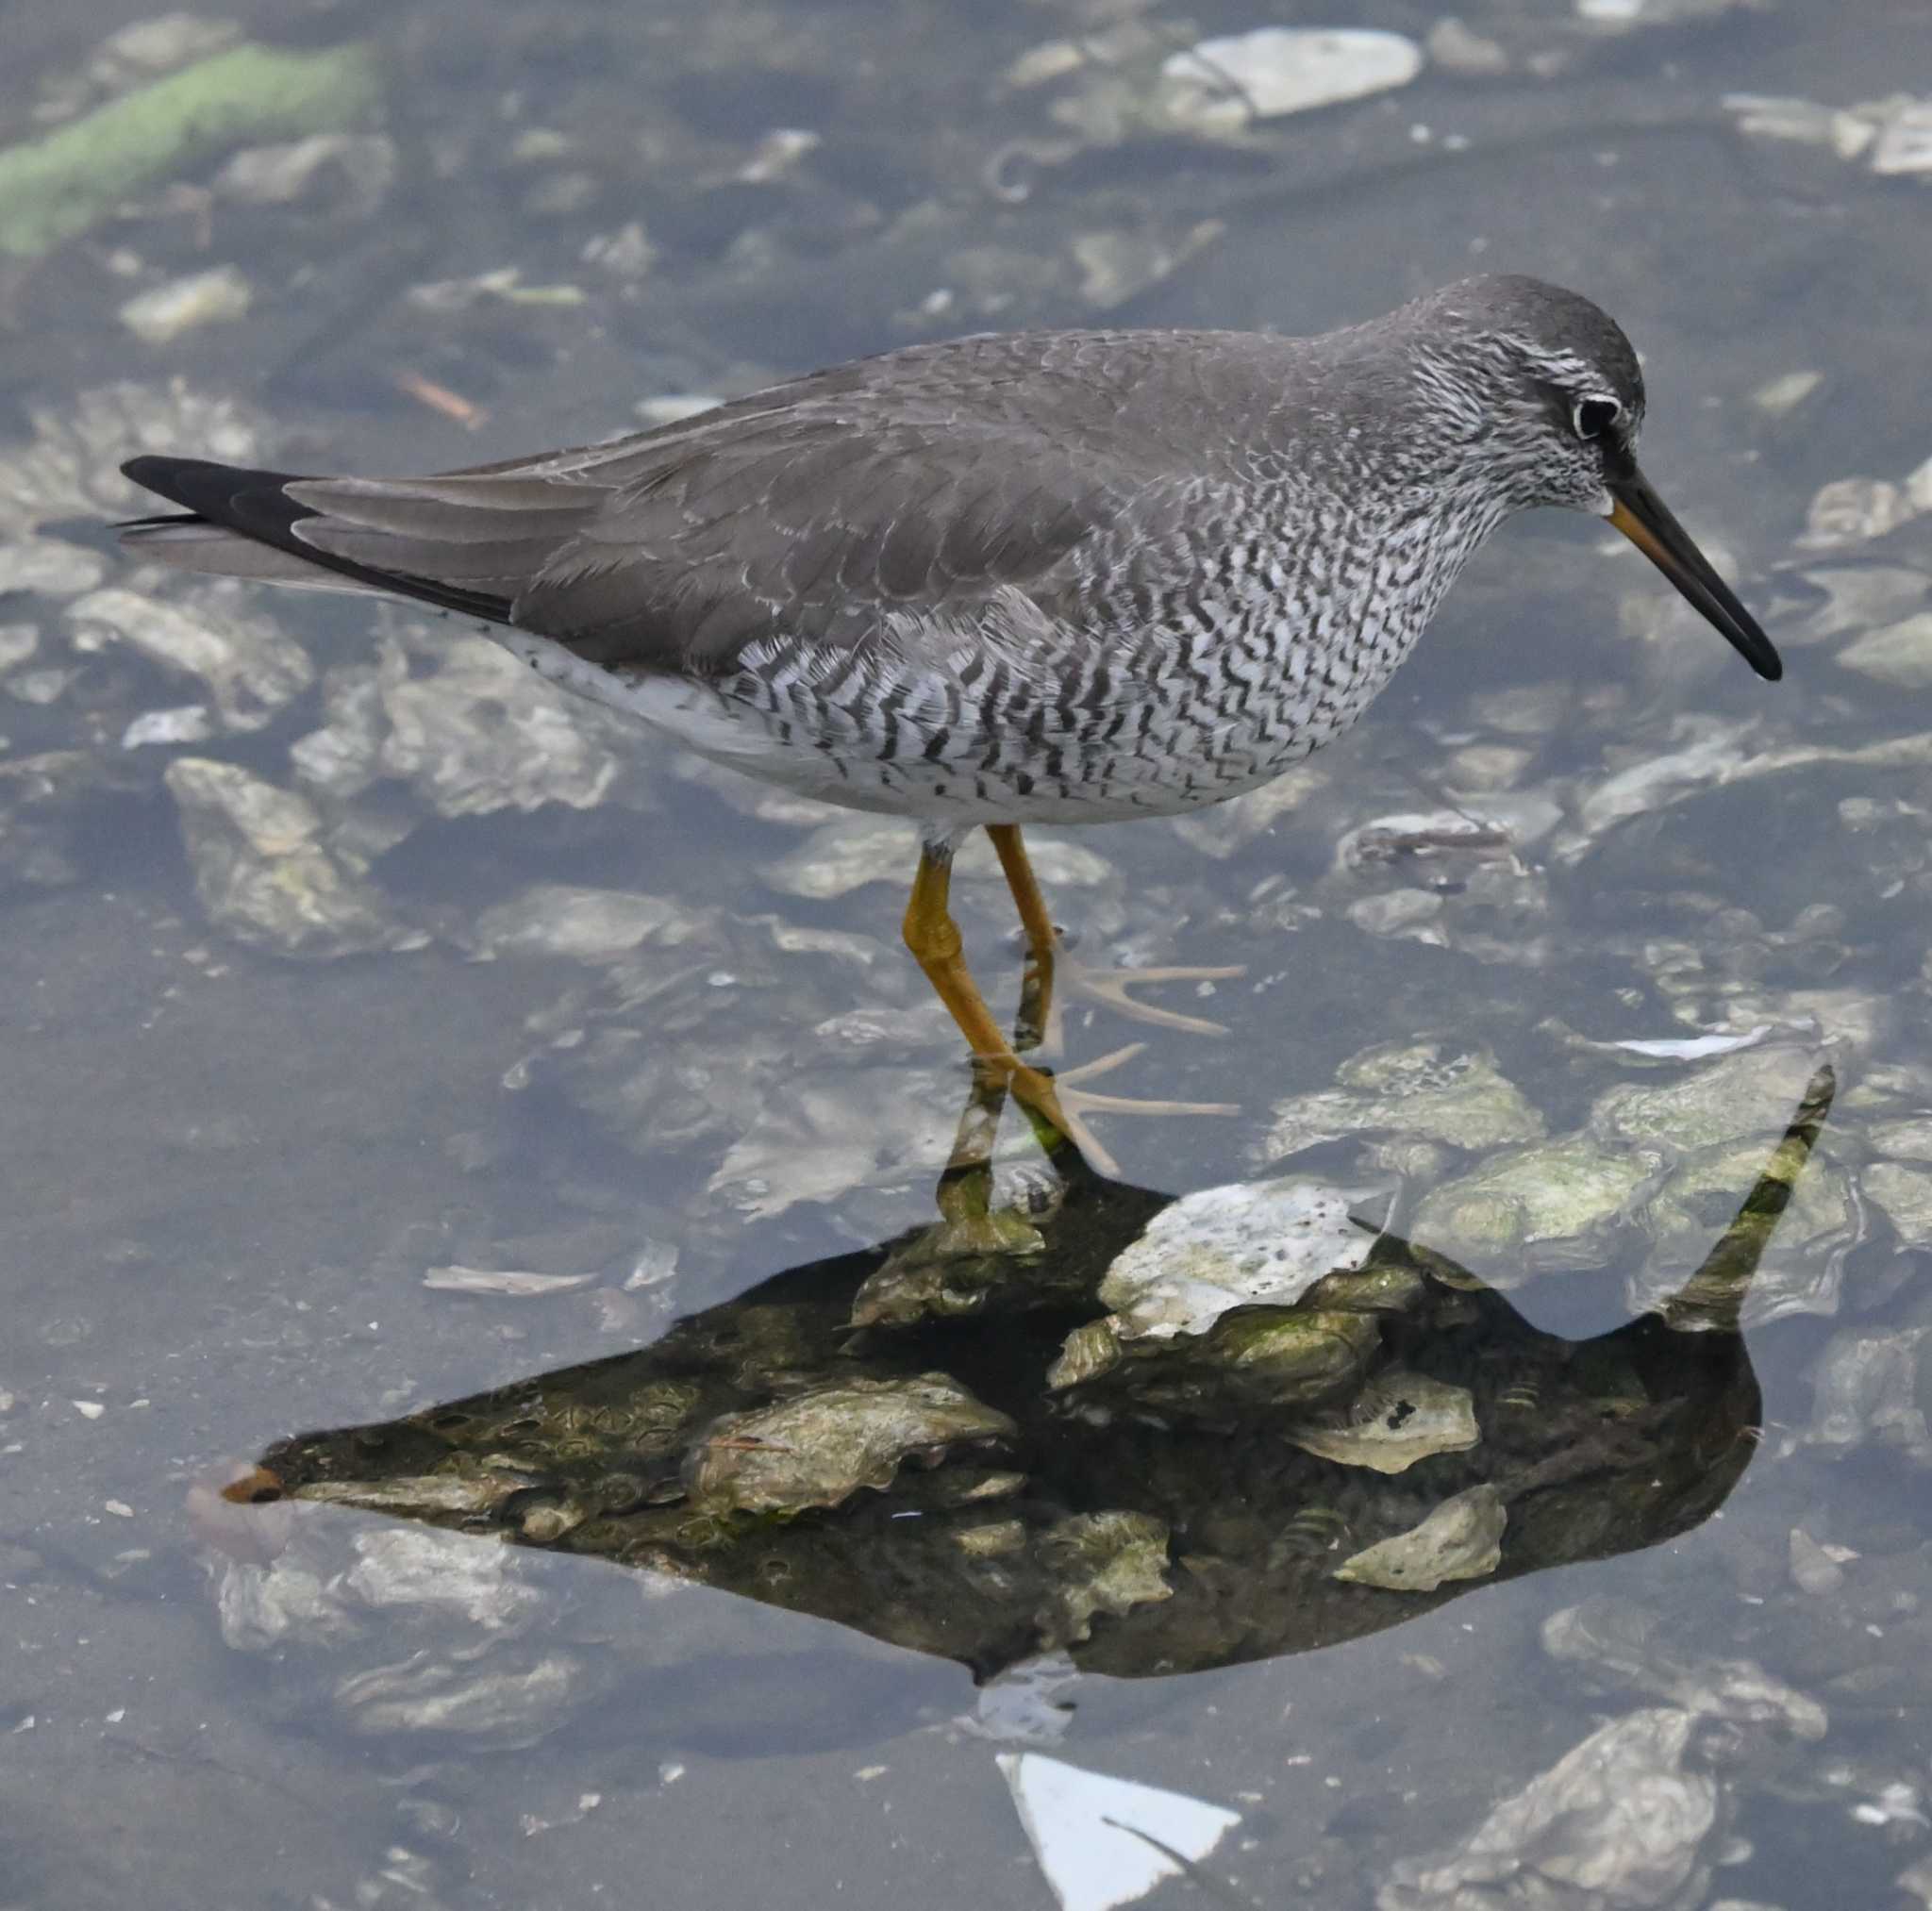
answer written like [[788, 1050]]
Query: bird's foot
[[1062, 1102], [1109, 987]]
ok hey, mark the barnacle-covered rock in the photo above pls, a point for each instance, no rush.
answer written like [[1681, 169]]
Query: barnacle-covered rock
[[990, 1491], [1246, 1243]]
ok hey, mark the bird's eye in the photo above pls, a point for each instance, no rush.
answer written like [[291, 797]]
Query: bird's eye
[[1594, 416]]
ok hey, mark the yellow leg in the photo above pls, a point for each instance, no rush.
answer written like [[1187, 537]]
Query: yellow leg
[[933, 938], [1041, 937], [1109, 985]]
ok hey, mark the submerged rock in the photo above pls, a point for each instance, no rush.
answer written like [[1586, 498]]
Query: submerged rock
[[1531, 1210], [261, 871], [1241, 1290], [248, 667], [820, 1447], [1868, 1389], [1904, 1194], [72, 466], [1798, 1272], [1899, 654], [986, 1251], [1617, 1820], [1099, 1563], [480, 733], [52, 805], [48, 568], [1285, 1357], [519, 1696], [847, 854], [1750, 1092], [1423, 1089], [1623, 1644], [586, 924]]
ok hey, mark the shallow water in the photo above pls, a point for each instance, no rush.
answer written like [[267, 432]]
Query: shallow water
[[499, 988]]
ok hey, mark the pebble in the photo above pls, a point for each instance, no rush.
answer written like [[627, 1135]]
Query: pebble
[[588, 924], [49, 567], [1813, 1568], [1779, 396], [1899, 654], [501, 1283], [162, 314], [1905, 140], [188, 723]]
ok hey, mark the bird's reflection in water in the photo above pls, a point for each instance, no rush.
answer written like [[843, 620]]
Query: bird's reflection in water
[[888, 1440]]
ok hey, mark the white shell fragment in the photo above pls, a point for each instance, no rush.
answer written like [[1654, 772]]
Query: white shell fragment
[[1461, 1540], [1238, 1245], [1695, 1048], [1221, 84], [1891, 136], [184, 723], [1099, 1840], [1905, 139], [502, 1281]]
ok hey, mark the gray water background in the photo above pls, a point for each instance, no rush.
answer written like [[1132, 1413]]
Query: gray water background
[[227, 1172]]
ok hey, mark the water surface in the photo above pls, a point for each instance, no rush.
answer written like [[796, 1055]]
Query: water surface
[[240, 1150]]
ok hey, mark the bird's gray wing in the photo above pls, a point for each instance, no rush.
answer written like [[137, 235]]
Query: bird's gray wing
[[975, 489], [848, 510]]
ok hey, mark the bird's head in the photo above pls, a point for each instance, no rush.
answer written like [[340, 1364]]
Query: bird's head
[[1544, 401]]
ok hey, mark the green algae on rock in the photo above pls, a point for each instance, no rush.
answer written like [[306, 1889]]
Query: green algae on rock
[[52, 189]]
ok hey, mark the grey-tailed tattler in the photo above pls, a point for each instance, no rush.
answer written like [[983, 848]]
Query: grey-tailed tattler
[[1047, 576]]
